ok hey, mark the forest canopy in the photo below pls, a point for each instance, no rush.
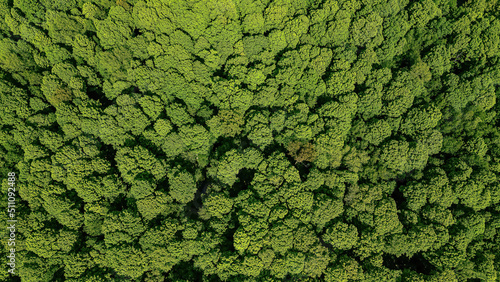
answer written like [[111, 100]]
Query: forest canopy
[[252, 140]]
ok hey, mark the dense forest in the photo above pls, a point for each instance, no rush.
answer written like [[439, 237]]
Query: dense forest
[[251, 140]]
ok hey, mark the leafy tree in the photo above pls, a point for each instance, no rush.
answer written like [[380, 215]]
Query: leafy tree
[[139, 163], [182, 185], [218, 205], [341, 236]]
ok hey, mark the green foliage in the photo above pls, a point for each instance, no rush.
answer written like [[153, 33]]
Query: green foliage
[[139, 163], [218, 205], [182, 185], [252, 140], [127, 260], [341, 236]]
